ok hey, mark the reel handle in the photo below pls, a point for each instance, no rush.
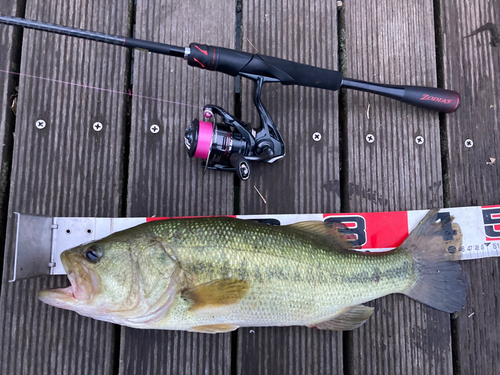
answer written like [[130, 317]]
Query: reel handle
[[240, 164]]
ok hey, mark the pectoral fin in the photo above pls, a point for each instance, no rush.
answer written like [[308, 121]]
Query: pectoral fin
[[348, 319], [214, 328], [216, 293]]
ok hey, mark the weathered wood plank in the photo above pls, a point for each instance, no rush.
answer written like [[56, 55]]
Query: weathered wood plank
[[292, 350], [8, 45], [307, 179], [163, 181], [64, 169], [471, 65], [391, 41]]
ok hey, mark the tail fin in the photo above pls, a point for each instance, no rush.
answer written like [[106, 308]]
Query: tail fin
[[434, 245]]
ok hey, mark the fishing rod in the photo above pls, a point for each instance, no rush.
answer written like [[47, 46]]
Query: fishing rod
[[230, 145]]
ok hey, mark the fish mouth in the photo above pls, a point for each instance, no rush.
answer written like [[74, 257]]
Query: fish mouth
[[84, 284], [62, 297]]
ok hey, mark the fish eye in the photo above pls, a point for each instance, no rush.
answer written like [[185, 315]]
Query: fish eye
[[93, 253]]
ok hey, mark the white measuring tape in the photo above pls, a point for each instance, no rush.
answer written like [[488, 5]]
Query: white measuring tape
[[40, 240]]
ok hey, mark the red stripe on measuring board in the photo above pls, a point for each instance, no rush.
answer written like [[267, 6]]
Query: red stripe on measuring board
[[374, 230], [148, 219]]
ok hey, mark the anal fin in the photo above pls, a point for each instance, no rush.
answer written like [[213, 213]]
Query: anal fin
[[348, 319], [214, 328]]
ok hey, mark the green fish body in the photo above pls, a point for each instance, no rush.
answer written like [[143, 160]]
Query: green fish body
[[218, 274]]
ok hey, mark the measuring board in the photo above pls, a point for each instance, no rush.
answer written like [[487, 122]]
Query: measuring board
[[40, 240]]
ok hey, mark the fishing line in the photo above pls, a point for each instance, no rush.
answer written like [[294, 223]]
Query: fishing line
[[99, 89]]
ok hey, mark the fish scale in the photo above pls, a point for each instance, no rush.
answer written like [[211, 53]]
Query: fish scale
[[295, 279]]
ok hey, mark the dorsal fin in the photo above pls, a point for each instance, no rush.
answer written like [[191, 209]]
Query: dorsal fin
[[328, 232]]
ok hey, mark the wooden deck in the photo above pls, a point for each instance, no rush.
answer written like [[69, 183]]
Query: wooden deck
[[69, 169]]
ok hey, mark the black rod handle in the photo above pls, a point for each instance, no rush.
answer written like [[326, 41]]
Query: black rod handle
[[433, 98], [287, 72], [236, 62]]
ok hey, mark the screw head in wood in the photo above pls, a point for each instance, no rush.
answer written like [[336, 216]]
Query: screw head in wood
[[419, 140], [97, 126], [154, 129], [317, 136], [469, 143], [40, 124], [370, 138]]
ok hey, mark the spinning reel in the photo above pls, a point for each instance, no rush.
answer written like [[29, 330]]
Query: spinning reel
[[230, 145]]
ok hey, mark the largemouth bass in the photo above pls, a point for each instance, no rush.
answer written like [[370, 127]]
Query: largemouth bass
[[217, 274]]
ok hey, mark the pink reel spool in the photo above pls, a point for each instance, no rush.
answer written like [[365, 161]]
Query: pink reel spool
[[204, 140]]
